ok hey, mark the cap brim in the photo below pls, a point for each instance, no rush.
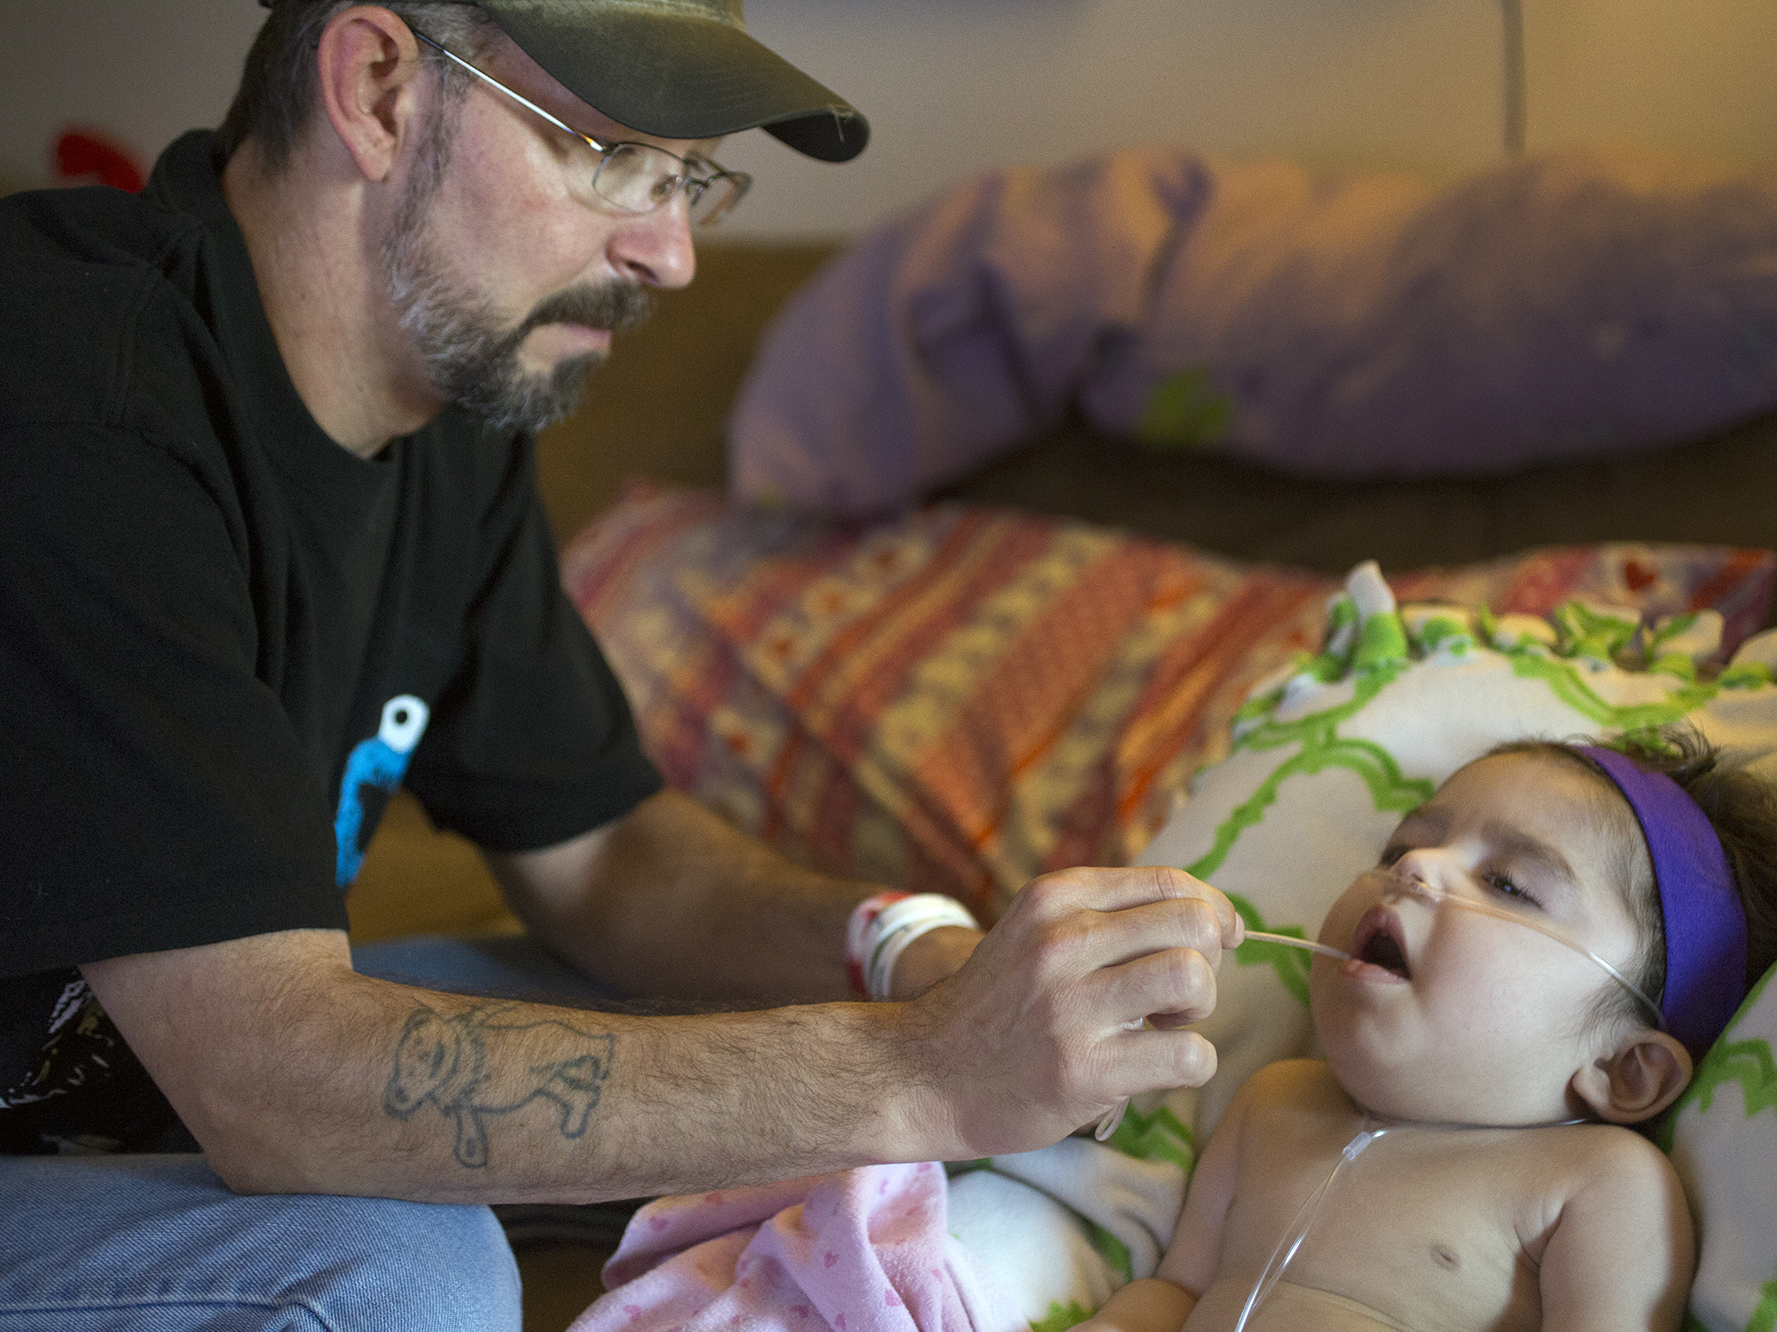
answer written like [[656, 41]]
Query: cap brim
[[679, 75]]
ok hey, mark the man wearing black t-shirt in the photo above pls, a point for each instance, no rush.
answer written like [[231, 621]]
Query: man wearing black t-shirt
[[270, 545]]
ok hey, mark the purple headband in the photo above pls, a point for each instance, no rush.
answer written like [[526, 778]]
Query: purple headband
[[1705, 920]]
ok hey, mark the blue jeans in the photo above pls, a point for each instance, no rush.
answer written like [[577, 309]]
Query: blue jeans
[[158, 1243]]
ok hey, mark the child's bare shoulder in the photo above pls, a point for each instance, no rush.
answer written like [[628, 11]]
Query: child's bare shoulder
[[1591, 1175], [1617, 1156], [1609, 1146], [1611, 1198]]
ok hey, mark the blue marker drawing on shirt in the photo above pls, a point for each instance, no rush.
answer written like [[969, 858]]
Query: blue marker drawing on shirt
[[378, 762]]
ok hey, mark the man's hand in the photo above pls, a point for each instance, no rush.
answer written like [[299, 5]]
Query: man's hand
[[1040, 1031]]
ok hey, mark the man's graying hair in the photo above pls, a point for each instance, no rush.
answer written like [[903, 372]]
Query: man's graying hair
[[276, 102]]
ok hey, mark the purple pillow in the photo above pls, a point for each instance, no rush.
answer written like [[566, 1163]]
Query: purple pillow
[[1582, 302]]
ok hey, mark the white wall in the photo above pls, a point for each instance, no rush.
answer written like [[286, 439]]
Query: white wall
[[955, 86], [141, 70]]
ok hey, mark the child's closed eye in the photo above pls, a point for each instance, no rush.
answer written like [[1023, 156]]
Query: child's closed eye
[[1503, 884]]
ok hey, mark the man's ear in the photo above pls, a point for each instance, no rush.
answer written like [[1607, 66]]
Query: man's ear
[[368, 61], [1637, 1080]]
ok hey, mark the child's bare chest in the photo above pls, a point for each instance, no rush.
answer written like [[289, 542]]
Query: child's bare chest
[[1426, 1228]]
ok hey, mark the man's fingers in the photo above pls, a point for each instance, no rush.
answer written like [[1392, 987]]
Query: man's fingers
[[1171, 1021], [1156, 1060], [1183, 922], [1112, 891], [1178, 983]]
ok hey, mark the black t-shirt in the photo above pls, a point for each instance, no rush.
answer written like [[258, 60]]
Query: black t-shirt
[[224, 638]]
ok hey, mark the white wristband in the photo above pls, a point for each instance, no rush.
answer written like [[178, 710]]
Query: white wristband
[[899, 924]]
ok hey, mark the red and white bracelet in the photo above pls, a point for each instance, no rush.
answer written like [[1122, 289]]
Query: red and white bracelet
[[881, 927]]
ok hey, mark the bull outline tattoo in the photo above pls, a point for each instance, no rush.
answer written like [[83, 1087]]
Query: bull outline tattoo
[[444, 1061]]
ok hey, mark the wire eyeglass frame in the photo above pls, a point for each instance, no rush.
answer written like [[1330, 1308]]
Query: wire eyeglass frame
[[724, 189]]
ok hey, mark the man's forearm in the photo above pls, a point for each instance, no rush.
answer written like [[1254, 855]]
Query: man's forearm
[[369, 1087], [672, 901], [477, 1099], [295, 1073]]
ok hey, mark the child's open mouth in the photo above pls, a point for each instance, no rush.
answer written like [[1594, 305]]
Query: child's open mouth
[[1378, 943]]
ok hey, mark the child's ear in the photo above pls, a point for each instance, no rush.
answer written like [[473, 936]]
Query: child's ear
[[1637, 1080]]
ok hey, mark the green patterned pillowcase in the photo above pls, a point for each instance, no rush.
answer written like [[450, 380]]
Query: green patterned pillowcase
[[1331, 751]]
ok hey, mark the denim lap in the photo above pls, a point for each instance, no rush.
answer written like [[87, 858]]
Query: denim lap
[[159, 1243]]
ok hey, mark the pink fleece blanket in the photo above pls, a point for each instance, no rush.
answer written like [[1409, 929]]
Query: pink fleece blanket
[[859, 1251]]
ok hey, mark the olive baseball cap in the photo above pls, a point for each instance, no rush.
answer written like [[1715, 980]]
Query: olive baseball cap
[[680, 69]]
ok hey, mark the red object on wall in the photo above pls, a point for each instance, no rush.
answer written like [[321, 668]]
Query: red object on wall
[[88, 155]]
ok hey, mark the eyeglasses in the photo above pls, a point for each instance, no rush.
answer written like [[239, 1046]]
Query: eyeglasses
[[638, 177]]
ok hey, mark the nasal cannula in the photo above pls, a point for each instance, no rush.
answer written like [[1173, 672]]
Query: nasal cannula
[[1417, 887]]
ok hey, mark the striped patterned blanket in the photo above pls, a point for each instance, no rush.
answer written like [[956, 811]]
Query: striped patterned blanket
[[957, 699]]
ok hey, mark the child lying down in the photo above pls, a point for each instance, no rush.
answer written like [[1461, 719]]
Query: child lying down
[[1461, 1158], [1543, 951]]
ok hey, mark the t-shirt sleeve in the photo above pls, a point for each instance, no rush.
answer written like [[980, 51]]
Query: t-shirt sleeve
[[157, 795], [533, 741]]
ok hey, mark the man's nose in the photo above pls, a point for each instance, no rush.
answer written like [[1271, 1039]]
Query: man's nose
[[655, 248]]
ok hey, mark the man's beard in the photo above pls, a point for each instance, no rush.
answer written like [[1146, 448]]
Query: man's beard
[[471, 360]]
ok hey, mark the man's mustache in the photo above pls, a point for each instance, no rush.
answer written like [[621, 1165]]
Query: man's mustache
[[615, 306]]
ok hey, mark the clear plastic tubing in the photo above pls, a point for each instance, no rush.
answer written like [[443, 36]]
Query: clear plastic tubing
[[1297, 1230]]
